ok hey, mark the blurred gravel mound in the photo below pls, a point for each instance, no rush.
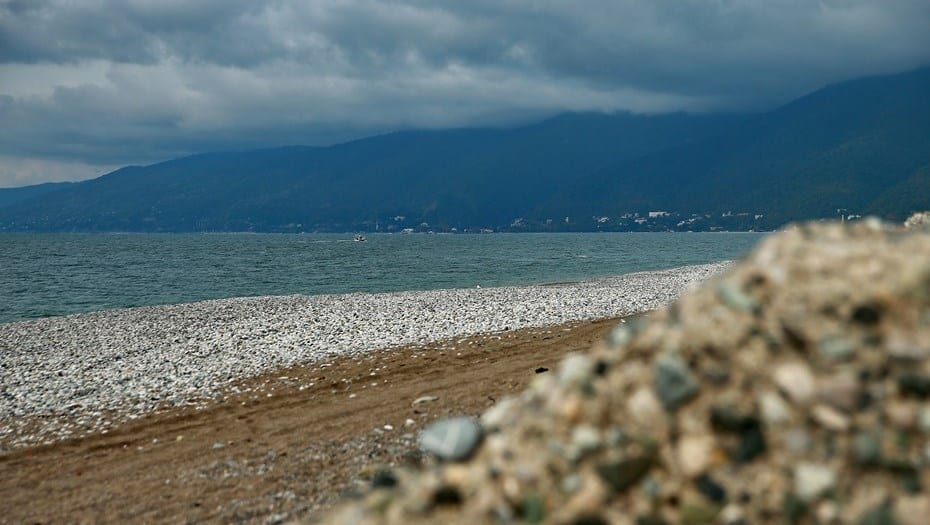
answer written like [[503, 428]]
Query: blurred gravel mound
[[795, 388]]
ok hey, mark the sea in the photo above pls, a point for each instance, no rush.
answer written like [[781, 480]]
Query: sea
[[44, 275]]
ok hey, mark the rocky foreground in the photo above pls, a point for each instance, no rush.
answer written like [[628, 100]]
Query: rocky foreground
[[71, 376], [793, 389]]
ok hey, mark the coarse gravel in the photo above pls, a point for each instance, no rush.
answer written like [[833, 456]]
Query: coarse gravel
[[74, 375]]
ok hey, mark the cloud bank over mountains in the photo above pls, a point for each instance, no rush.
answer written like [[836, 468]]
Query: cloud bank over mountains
[[89, 85]]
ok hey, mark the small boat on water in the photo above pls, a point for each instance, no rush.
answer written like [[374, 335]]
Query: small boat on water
[[359, 238]]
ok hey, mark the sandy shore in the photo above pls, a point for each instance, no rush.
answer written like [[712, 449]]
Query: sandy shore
[[278, 450], [83, 374]]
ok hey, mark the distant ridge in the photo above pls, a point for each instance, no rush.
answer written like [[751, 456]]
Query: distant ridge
[[862, 146], [10, 196], [853, 148]]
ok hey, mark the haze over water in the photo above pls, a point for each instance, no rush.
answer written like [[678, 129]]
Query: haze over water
[[58, 274]]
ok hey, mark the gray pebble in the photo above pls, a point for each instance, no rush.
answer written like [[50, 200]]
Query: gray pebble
[[673, 381], [575, 369], [867, 449], [835, 348], [453, 439], [734, 297]]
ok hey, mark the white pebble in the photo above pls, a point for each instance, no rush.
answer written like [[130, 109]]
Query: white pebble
[[811, 480]]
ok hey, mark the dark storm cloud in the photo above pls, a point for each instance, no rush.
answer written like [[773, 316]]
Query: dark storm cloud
[[137, 32], [105, 82]]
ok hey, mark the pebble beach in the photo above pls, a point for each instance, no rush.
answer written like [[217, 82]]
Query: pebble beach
[[68, 376]]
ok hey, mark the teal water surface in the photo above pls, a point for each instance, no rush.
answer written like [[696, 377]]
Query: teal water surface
[[55, 274]]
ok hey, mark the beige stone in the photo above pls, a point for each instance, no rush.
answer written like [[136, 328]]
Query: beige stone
[[644, 406], [830, 418], [796, 381], [912, 510], [694, 454], [827, 512], [839, 391], [902, 414]]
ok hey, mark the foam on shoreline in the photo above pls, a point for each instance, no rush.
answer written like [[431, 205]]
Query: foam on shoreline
[[118, 364]]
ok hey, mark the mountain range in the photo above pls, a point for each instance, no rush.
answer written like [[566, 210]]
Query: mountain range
[[854, 148]]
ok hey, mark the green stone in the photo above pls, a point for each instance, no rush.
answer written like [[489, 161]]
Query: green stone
[[752, 442], [911, 483], [867, 449], [710, 489], [902, 440], [619, 475], [724, 419], [650, 519], [880, 515], [533, 509], [917, 385], [587, 388], [793, 508], [589, 520], [751, 445], [901, 466], [699, 514], [834, 348]]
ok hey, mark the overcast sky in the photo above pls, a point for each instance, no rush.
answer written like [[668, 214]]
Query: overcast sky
[[90, 85]]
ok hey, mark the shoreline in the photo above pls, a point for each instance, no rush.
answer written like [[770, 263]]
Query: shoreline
[[542, 283], [85, 373]]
